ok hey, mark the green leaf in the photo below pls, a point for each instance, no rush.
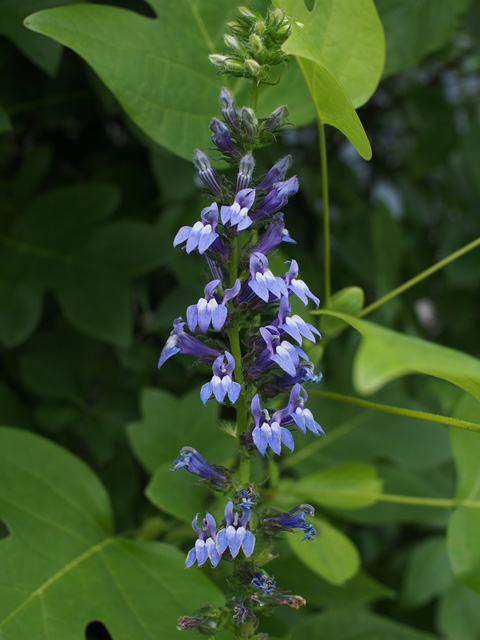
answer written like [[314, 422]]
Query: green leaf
[[414, 29], [167, 85], [355, 625], [38, 50], [170, 423], [462, 535], [350, 301], [350, 485], [330, 554], [384, 355], [58, 245], [428, 572], [347, 39], [175, 494], [458, 614], [333, 106], [61, 566]]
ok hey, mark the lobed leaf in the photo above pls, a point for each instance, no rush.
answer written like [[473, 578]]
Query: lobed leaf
[[61, 566]]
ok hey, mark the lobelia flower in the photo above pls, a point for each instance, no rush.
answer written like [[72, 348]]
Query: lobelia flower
[[181, 342], [298, 287], [222, 383], [286, 355], [235, 536], [205, 546], [237, 214], [276, 174], [268, 432], [221, 138], [303, 417], [193, 462], [274, 234], [209, 310], [276, 198], [206, 174], [241, 612], [294, 326], [265, 583], [262, 281], [293, 519], [203, 233]]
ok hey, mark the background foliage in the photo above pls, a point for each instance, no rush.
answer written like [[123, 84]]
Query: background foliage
[[96, 179]]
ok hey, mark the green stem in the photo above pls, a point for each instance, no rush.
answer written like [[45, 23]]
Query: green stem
[[418, 278], [326, 216], [421, 415], [254, 96]]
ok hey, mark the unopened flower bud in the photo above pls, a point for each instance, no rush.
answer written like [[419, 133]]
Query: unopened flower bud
[[252, 67], [276, 118], [245, 12], [249, 120], [255, 43], [217, 59], [233, 66], [233, 43], [244, 176], [228, 108], [259, 28], [237, 29]]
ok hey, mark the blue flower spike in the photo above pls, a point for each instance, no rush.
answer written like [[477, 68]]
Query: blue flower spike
[[205, 547], [235, 535]]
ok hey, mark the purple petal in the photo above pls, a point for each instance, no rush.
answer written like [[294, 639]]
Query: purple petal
[[203, 315], [234, 389], [235, 538], [182, 235], [222, 541], [218, 389], [260, 439], [259, 286], [284, 361], [212, 552], [194, 237], [207, 237], [191, 557], [219, 315], [275, 441], [192, 317], [206, 392], [287, 438], [202, 552], [248, 543]]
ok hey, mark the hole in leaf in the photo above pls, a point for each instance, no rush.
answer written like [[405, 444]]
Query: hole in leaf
[[310, 4], [4, 530], [97, 631]]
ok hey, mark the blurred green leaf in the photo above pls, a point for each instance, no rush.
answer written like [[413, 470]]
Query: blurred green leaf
[[330, 554], [428, 572], [61, 567], [176, 90], [414, 29], [355, 625], [56, 246], [462, 536], [175, 493], [458, 613], [349, 300], [12, 410], [345, 486], [384, 355], [170, 423], [347, 39], [38, 50]]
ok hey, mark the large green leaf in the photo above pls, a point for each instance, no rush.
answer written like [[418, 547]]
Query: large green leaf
[[61, 566], [462, 537], [384, 355], [60, 245], [428, 572], [330, 554], [169, 423], [355, 625], [344, 37], [159, 69], [414, 29], [38, 50], [344, 486]]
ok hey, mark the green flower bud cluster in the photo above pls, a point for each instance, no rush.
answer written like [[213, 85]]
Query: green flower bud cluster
[[254, 43]]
